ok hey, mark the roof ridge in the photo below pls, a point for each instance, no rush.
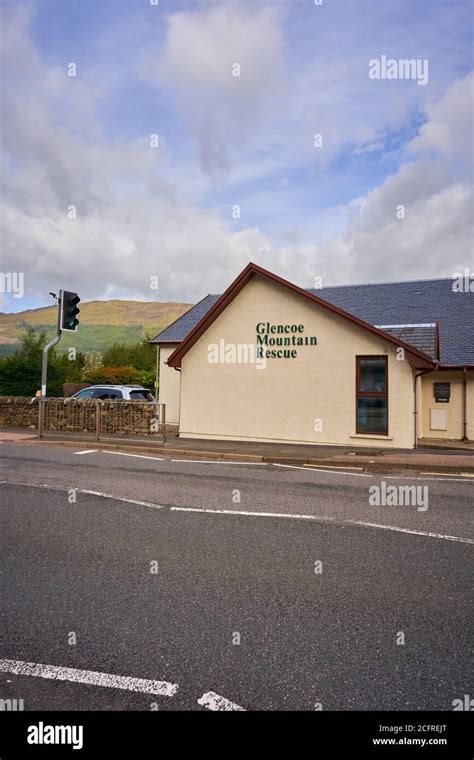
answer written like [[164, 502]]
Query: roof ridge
[[385, 282]]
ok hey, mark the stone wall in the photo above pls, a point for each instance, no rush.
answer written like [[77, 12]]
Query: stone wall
[[18, 412], [121, 418]]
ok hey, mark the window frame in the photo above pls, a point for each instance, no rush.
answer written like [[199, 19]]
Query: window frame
[[370, 394]]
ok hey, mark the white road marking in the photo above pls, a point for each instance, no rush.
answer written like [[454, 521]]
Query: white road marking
[[220, 461], [451, 475], [137, 456], [455, 478], [320, 518], [334, 466], [315, 518], [213, 701], [329, 472], [249, 514], [87, 451], [119, 498], [374, 474], [90, 677], [92, 493]]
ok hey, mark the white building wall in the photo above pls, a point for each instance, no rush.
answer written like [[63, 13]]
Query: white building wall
[[170, 385]]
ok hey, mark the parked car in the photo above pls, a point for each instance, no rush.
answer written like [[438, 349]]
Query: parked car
[[115, 393]]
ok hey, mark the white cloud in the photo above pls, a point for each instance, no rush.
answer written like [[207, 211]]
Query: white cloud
[[449, 129], [132, 222], [225, 64], [434, 187]]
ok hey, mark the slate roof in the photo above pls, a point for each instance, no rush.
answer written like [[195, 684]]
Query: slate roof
[[423, 337], [177, 330], [414, 302], [394, 304]]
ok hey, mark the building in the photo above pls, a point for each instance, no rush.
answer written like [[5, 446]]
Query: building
[[382, 364]]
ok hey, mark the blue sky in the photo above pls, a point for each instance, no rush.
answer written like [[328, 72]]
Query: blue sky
[[227, 141]]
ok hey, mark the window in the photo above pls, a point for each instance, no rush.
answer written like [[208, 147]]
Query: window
[[141, 395], [86, 393], [371, 395], [104, 394]]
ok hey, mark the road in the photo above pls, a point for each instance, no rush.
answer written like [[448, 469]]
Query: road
[[201, 577]]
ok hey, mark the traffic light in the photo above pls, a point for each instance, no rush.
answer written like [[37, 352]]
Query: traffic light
[[69, 310]]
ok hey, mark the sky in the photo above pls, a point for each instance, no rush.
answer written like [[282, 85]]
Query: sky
[[152, 148]]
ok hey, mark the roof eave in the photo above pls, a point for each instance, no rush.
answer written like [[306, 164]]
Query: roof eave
[[415, 357], [165, 342], [460, 366]]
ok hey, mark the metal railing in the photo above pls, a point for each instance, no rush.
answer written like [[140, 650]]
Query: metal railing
[[101, 420]]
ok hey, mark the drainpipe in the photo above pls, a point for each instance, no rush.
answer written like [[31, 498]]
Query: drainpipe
[[157, 372], [415, 405], [464, 398]]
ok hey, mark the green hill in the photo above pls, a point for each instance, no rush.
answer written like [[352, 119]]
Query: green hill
[[101, 323]]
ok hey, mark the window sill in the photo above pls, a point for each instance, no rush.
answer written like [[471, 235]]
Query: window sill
[[373, 436]]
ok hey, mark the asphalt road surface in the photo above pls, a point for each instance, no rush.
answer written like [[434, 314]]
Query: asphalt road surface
[[139, 583]]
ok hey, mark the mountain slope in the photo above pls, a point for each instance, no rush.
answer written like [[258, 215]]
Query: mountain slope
[[101, 323]]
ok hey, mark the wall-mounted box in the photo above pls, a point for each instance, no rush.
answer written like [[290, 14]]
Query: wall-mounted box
[[438, 419], [442, 392]]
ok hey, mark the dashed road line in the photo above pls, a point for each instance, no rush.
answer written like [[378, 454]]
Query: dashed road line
[[87, 451], [314, 469], [137, 456], [219, 461], [450, 474], [457, 477], [333, 466], [86, 491], [118, 498], [215, 702], [320, 518], [90, 677]]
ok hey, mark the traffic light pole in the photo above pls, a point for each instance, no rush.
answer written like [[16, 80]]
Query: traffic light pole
[[53, 342]]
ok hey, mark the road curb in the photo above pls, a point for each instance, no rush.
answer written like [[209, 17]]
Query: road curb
[[363, 466]]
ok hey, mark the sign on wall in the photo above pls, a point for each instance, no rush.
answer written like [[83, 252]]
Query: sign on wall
[[281, 341], [442, 392]]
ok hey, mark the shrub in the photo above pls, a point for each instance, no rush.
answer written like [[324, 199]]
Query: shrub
[[113, 376]]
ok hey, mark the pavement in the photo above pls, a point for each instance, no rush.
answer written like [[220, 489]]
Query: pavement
[[228, 585]]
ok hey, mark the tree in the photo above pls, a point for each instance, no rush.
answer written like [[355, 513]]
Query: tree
[[139, 355], [93, 360], [20, 373]]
